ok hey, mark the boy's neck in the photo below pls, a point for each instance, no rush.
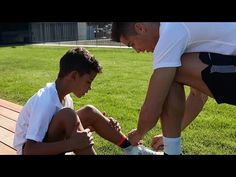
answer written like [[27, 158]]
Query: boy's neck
[[61, 89]]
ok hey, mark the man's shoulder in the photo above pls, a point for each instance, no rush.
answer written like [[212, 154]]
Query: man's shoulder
[[173, 27]]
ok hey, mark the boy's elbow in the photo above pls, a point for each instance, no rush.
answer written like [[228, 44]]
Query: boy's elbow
[[27, 151], [29, 148]]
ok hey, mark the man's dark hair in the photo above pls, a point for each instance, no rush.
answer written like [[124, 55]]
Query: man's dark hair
[[78, 59], [122, 28]]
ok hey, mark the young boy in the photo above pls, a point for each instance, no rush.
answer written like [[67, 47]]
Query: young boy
[[48, 124], [200, 55]]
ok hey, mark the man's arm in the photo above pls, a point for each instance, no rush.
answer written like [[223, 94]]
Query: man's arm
[[159, 86]]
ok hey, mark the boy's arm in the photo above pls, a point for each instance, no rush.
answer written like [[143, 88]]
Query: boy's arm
[[78, 140], [159, 86], [42, 148]]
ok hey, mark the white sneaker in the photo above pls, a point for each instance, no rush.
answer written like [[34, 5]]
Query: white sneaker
[[140, 150]]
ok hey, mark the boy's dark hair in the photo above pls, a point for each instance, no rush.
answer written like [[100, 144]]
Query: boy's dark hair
[[78, 59], [122, 28]]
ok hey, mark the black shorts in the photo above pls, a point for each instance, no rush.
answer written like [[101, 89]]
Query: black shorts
[[220, 76]]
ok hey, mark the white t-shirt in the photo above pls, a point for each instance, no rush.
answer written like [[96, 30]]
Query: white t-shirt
[[177, 38], [36, 115]]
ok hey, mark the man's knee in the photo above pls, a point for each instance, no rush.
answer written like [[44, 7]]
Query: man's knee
[[196, 93]]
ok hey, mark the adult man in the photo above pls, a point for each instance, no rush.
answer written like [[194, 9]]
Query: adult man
[[208, 65]]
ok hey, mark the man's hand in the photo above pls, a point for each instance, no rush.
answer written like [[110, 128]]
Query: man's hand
[[135, 138], [157, 142]]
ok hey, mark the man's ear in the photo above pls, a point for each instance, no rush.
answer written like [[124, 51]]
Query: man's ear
[[140, 28]]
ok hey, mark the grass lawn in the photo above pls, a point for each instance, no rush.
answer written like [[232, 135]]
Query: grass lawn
[[119, 91]]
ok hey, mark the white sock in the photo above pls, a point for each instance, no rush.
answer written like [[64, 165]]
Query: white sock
[[172, 146]]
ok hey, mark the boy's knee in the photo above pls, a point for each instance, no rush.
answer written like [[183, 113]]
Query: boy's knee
[[89, 114], [67, 115], [66, 112], [89, 109], [62, 124]]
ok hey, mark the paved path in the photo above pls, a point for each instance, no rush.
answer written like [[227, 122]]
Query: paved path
[[75, 45]]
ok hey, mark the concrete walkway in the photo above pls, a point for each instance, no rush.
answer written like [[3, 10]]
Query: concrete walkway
[[81, 45], [105, 43]]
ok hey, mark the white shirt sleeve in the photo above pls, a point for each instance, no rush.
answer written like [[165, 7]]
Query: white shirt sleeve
[[171, 45], [41, 114]]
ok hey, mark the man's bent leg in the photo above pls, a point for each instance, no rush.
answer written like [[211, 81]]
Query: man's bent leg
[[171, 119], [190, 73]]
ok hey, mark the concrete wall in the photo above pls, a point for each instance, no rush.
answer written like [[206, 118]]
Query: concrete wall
[[54, 31], [82, 31]]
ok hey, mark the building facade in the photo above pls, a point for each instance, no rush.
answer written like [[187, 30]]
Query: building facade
[[39, 32]]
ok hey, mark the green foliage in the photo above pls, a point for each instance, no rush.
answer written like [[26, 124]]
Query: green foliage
[[119, 91]]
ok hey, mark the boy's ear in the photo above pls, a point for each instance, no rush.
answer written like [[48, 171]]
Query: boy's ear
[[139, 28], [73, 75]]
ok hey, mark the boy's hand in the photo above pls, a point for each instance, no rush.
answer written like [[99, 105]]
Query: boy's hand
[[113, 123], [157, 142], [82, 139]]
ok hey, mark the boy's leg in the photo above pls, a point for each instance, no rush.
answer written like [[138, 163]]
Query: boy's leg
[[62, 127], [92, 118]]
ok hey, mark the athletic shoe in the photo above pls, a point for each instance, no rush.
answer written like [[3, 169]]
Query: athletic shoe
[[140, 150]]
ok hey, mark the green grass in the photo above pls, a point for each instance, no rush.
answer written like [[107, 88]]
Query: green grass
[[119, 91]]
